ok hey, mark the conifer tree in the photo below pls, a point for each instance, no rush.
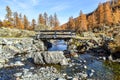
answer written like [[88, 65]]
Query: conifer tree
[[116, 17], [100, 14], [1, 24], [45, 19], [33, 23], [71, 23], [41, 19], [107, 14], [9, 21], [51, 21], [83, 22], [56, 21], [9, 14], [92, 21], [26, 23]]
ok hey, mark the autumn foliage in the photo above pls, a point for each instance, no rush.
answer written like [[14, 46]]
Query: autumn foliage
[[107, 14], [19, 21]]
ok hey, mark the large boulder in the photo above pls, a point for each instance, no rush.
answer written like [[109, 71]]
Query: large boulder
[[49, 57], [114, 48], [39, 45]]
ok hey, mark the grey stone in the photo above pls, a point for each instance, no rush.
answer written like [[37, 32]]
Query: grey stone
[[2, 60], [38, 58], [84, 75], [75, 78], [1, 65], [0, 49], [38, 44], [18, 63], [61, 79], [85, 67], [17, 74], [91, 74], [28, 74], [50, 57]]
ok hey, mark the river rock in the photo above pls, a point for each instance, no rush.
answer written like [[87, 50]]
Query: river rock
[[17, 74], [38, 44], [2, 60], [38, 58], [50, 57], [91, 74], [75, 78], [85, 67], [18, 63], [60, 79], [74, 54], [0, 49], [1, 65], [84, 75]]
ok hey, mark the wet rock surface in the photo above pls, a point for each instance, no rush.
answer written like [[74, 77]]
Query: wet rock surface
[[88, 67], [18, 56], [18, 63]]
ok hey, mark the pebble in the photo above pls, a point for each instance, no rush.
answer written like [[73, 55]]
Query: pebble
[[92, 70], [28, 74], [64, 74], [25, 70], [84, 61], [84, 75], [85, 66], [70, 65], [75, 79], [32, 68], [17, 74], [18, 63], [91, 74], [104, 58], [2, 60], [61, 79], [1, 65], [6, 65]]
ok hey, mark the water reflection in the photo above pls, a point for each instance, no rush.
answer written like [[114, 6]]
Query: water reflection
[[103, 70], [58, 45]]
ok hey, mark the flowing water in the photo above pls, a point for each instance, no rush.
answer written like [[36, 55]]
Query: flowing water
[[59, 45], [95, 68]]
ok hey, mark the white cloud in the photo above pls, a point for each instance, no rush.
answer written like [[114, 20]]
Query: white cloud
[[23, 3]]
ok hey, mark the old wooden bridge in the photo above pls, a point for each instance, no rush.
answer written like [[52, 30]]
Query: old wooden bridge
[[56, 34]]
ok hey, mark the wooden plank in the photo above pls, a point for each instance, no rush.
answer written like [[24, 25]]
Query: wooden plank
[[55, 30], [55, 34]]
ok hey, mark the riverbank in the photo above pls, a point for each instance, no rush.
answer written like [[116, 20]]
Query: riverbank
[[16, 63], [24, 58]]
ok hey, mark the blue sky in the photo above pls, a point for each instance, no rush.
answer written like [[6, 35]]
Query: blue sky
[[63, 8]]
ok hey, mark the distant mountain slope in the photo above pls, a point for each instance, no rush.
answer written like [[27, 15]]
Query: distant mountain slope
[[106, 14]]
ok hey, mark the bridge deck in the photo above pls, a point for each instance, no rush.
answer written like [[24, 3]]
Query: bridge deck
[[55, 34]]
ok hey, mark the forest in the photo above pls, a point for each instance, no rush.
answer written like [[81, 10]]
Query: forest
[[19, 21], [86, 47], [106, 14]]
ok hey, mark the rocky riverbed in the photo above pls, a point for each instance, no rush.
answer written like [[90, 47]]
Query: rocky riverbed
[[24, 59]]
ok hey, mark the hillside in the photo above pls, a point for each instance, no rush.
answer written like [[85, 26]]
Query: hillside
[[106, 14], [8, 32]]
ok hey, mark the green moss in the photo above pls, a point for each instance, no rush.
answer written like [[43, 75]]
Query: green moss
[[115, 67]]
